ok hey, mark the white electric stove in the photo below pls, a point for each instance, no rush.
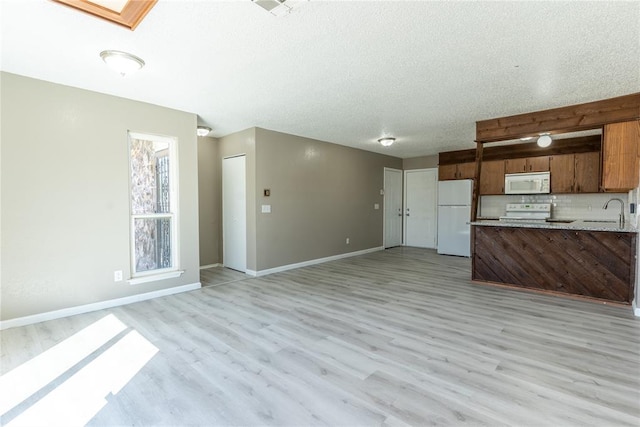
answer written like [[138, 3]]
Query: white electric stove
[[527, 212]]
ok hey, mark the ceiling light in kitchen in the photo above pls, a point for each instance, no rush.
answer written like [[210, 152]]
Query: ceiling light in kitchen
[[544, 140], [386, 141], [203, 131], [122, 62]]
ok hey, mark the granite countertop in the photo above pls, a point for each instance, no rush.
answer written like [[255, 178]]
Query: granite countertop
[[588, 225]]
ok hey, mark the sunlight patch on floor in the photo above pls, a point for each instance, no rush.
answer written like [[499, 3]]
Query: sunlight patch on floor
[[81, 396]]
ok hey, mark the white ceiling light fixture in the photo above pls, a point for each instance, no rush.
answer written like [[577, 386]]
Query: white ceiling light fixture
[[122, 62], [203, 131], [544, 140], [386, 141]]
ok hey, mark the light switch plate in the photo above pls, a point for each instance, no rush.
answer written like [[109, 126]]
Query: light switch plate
[[376, 206]]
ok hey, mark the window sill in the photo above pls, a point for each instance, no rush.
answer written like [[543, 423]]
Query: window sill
[[155, 277]]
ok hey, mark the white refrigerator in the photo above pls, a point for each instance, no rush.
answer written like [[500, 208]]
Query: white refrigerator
[[454, 215]]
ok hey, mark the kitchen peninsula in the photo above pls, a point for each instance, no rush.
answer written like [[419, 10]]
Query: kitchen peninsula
[[589, 259]]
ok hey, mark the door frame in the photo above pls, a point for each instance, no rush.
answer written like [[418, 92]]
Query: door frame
[[384, 205], [404, 202]]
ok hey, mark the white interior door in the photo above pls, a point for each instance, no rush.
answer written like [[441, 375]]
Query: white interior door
[[392, 207], [234, 213], [421, 207]]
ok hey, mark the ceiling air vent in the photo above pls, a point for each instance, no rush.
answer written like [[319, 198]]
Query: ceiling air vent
[[275, 7]]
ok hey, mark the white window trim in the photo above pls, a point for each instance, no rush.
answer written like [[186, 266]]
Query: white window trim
[[174, 271], [156, 276]]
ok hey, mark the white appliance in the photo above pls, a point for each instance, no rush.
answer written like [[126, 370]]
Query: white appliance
[[527, 183], [527, 212], [454, 216]]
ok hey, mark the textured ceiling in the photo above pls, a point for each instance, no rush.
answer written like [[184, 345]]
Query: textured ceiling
[[343, 72]]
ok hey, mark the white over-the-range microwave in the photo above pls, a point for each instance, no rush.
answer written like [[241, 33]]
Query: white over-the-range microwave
[[527, 183]]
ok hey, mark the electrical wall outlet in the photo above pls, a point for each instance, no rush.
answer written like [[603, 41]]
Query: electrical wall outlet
[[117, 276], [347, 241]]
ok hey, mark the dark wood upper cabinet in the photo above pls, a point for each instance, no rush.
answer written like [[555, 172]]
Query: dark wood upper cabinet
[[528, 164], [575, 173], [578, 165], [562, 173], [447, 172], [492, 177], [466, 170], [587, 172], [515, 165], [538, 164], [456, 171], [620, 156]]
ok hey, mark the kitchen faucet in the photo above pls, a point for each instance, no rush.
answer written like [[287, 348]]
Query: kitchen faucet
[[606, 205]]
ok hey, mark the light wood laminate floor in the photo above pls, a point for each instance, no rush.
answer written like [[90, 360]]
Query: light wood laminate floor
[[397, 337], [216, 276]]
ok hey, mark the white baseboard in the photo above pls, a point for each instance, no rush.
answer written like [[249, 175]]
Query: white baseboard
[[204, 267], [311, 262], [71, 311]]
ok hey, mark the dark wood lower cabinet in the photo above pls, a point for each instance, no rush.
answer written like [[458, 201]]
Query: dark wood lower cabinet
[[595, 264]]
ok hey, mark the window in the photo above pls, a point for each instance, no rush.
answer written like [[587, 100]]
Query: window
[[153, 204]]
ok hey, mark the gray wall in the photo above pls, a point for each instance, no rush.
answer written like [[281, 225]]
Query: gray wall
[[321, 193], [65, 194], [243, 142], [209, 200], [424, 162]]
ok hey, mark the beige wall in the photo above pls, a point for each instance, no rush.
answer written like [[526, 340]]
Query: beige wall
[[65, 194], [321, 193], [209, 201], [243, 142], [424, 162]]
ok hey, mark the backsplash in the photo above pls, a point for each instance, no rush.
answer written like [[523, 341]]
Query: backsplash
[[565, 206]]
